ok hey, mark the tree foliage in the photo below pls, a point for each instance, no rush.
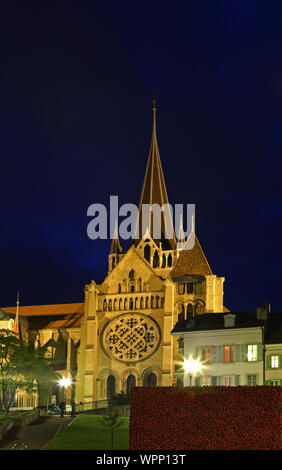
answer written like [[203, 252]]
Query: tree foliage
[[21, 368]]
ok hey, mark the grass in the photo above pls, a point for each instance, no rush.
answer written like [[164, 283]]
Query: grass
[[88, 433]]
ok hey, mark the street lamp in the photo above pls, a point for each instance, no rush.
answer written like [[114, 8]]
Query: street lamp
[[64, 383], [191, 366]]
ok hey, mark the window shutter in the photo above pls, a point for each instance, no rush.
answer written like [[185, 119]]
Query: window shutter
[[267, 362], [220, 354], [197, 381], [237, 380], [237, 353], [243, 352], [214, 354], [280, 361], [198, 353], [260, 352], [214, 381], [219, 380]]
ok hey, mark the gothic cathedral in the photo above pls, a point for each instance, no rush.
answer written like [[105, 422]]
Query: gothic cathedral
[[120, 336], [125, 335]]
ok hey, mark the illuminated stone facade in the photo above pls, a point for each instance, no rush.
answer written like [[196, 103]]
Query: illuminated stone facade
[[121, 334]]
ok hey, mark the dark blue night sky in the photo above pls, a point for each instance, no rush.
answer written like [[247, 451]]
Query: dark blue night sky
[[77, 81]]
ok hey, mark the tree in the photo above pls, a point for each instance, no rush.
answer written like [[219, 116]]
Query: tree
[[21, 368], [112, 420], [120, 399]]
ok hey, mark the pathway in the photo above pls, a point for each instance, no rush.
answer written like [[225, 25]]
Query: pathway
[[35, 435]]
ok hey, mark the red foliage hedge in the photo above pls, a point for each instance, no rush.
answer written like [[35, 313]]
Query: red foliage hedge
[[172, 418]]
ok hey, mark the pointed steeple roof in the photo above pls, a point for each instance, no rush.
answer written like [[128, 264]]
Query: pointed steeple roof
[[154, 192], [191, 262], [115, 246]]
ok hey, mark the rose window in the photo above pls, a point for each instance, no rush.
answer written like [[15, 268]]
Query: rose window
[[131, 338]]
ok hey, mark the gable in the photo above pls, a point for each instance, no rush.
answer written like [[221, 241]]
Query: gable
[[142, 269]]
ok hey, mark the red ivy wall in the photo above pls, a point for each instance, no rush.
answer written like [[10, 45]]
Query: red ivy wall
[[172, 418]]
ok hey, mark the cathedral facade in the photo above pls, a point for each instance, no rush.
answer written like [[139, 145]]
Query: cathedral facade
[[120, 336]]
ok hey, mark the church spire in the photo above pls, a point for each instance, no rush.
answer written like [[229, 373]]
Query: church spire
[[154, 192], [115, 249]]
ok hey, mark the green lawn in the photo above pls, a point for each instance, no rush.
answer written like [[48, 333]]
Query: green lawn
[[88, 433]]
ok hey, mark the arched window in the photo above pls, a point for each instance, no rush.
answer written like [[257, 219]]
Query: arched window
[[147, 302], [150, 380], [157, 301], [125, 304], [131, 304], [164, 261], [113, 263], [141, 303], [169, 260], [147, 253], [131, 274], [120, 304], [140, 284], [136, 303], [110, 305], [199, 308], [111, 386], [181, 313], [156, 260], [152, 302], [105, 305], [189, 311], [130, 382], [119, 288]]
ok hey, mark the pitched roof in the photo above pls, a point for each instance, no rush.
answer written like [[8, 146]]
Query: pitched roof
[[45, 310], [191, 262], [55, 322], [154, 192], [215, 321]]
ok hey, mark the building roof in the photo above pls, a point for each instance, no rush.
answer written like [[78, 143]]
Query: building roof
[[45, 310], [215, 321], [154, 192], [55, 322], [191, 263]]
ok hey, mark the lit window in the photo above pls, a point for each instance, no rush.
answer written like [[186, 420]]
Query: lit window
[[274, 362], [275, 382], [228, 381], [206, 355], [252, 352], [228, 353], [251, 380]]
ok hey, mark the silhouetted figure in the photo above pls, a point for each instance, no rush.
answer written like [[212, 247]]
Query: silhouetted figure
[[63, 408], [73, 407]]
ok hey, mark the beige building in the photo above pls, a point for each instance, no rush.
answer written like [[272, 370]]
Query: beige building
[[121, 334], [228, 346]]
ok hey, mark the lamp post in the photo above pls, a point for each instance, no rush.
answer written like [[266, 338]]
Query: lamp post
[[64, 383], [191, 366]]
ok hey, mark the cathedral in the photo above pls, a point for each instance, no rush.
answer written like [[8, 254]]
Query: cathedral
[[120, 336]]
